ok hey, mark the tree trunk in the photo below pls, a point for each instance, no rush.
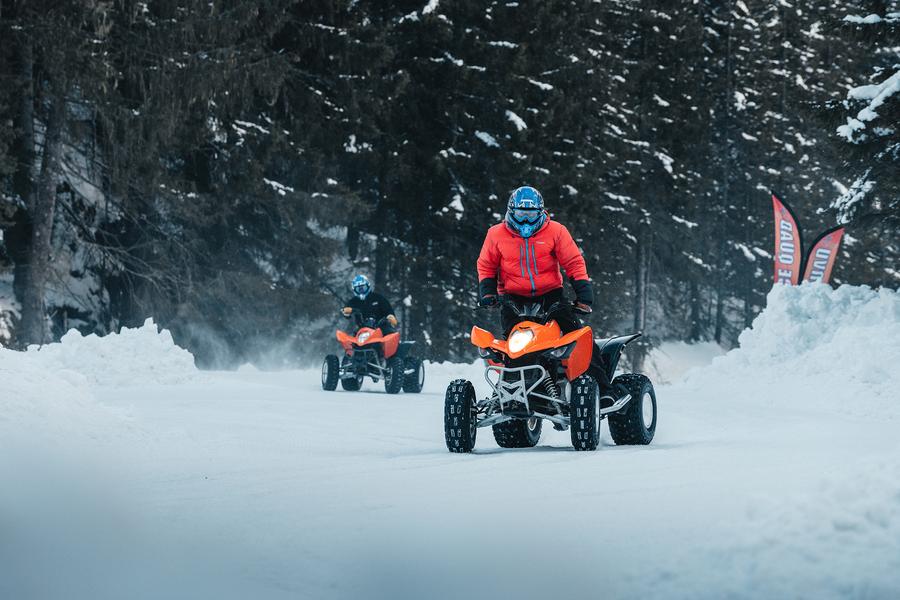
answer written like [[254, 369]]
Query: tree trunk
[[24, 143], [641, 264], [750, 268], [696, 329], [19, 239], [352, 242], [727, 167], [720, 289], [720, 309], [382, 263], [32, 328]]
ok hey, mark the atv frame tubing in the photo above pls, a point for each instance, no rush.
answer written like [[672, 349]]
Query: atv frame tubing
[[351, 370], [518, 390]]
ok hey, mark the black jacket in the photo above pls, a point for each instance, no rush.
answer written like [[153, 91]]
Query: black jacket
[[375, 306]]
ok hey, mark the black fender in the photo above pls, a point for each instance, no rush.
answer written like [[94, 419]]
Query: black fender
[[608, 351], [403, 349]]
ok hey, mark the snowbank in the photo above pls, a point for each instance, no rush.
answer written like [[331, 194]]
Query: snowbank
[[67, 456], [139, 356], [818, 360], [816, 347], [36, 402], [48, 392]]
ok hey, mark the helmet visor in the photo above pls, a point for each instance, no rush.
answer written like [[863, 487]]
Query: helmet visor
[[525, 215], [360, 289]]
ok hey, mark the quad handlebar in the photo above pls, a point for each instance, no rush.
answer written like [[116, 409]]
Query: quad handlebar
[[532, 309], [370, 322]]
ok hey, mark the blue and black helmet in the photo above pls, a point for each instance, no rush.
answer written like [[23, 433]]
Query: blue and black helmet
[[361, 286], [525, 211]]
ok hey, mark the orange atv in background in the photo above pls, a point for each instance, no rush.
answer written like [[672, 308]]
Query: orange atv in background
[[540, 374], [371, 353]]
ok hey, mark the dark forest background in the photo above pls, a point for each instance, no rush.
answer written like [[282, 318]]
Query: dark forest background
[[226, 166]]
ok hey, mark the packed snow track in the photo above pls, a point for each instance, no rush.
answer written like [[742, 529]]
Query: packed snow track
[[775, 472]]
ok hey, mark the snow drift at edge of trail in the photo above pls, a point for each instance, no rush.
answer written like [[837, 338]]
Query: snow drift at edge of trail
[[48, 392], [38, 405], [138, 356], [815, 347], [69, 464]]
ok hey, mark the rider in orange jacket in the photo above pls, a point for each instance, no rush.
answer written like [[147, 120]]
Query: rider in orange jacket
[[521, 259]]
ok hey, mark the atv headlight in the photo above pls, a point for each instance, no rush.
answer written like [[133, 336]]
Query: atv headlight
[[363, 337], [519, 339]]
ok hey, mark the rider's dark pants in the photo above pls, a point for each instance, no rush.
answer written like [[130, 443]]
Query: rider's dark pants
[[564, 317]]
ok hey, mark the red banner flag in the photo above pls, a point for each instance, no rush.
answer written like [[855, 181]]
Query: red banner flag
[[821, 256], [788, 244]]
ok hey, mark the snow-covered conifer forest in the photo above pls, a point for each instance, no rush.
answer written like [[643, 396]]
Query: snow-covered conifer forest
[[220, 166]]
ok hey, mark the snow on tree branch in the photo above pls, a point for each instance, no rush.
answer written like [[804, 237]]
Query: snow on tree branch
[[877, 95], [848, 202], [873, 19]]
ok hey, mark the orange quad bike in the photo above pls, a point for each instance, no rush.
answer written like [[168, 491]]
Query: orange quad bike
[[371, 353], [540, 374]]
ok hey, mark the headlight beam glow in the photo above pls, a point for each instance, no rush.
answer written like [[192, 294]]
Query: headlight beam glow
[[519, 339]]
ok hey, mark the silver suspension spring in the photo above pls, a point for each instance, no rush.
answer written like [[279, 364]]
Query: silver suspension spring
[[551, 388], [553, 391]]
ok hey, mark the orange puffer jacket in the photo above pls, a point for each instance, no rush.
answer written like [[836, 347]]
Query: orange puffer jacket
[[530, 266]]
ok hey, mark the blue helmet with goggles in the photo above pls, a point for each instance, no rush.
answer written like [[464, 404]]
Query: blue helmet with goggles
[[525, 211], [361, 286]]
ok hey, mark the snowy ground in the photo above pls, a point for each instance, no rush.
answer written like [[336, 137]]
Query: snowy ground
[[775, 473]]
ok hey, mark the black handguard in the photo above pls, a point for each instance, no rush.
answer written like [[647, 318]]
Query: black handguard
[[488, 301], [582, 309]]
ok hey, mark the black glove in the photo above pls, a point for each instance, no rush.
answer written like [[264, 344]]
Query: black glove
[[488, 301], [487, 287], [584, 293]]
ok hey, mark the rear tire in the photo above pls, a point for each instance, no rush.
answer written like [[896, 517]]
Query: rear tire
[[584, 413], [635, 425], [414, 375], [460, 416], [353, 383], [330, 373], [393, 375], [518, 433]]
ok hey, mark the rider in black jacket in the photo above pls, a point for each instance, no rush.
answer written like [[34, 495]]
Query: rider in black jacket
[[367, 304]]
